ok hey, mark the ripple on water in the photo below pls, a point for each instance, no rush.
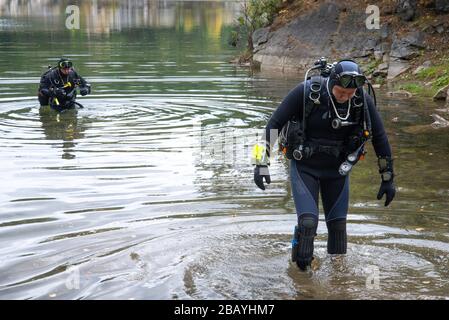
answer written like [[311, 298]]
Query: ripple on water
[[128, 203]]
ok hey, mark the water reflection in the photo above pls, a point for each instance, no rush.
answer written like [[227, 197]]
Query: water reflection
[[141, 214], [105, 17], [62, 126]]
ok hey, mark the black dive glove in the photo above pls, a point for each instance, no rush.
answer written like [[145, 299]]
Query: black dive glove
[[261, 172], [60, 93], [387, 186], [85, 90], [46, 92], [51, 92]]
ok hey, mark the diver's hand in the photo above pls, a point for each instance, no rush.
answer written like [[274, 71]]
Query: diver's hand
[[387, 188], [51, 92], [60, 93], [261, 172], [85, 90]]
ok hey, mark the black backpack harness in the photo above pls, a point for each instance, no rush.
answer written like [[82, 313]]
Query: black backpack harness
[[293, 141]]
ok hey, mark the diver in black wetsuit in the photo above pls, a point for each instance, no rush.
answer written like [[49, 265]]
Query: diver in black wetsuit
[[58, 86], [323, 135]]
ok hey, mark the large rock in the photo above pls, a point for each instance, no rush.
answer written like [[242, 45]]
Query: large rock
[[316, 33], [418, 70], [442, 94], [439, 122], [260, 36], [397, 67], [408, 46], [381, 71], [406, 9], [442, 6], [383, 66]]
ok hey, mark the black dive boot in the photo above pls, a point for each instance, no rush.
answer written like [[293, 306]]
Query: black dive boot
[[302, 243], [337, 238]]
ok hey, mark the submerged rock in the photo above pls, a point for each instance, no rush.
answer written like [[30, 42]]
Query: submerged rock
[[400, 94], [439, 122], [446, 110]]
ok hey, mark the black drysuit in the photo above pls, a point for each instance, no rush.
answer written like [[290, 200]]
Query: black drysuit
[[54, 84], [320, 171]]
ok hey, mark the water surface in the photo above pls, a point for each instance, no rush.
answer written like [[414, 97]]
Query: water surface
[[124, 199]]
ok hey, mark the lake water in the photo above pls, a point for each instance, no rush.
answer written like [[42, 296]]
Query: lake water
[[129, 197]]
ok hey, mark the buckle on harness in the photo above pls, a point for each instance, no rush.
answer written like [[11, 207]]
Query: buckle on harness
[[314, 95]]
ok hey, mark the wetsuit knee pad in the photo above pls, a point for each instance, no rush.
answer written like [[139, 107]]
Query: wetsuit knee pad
[[305, 232], [337, 238]]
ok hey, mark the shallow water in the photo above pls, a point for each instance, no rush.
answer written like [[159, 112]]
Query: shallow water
[[128, 198]]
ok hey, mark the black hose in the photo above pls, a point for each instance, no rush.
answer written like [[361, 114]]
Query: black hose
[[370, 88], [79, 105], [366, 113]]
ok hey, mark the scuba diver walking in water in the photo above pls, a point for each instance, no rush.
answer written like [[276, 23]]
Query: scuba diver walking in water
[[323, 125], [58, 85]]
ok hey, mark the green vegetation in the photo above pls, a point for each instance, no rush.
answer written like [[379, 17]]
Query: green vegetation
[[437, 76], [416, 89], [441, 81], [380, 80], [427, 73], [255, 14], [371, 66]]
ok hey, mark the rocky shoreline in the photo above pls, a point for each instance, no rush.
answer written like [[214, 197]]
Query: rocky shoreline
[[412, 37]]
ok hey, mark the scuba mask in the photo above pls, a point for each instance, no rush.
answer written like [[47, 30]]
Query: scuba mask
[[351, 79], [65, 64], [347, 74]]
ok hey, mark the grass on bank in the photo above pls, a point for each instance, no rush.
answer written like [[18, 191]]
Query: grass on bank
[[436, 77]]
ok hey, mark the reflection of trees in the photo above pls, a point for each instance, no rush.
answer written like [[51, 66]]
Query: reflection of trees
[[104, 16], [62, 126], [174, 31]]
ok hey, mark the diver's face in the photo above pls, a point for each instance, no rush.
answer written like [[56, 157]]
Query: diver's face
[[65, 71], [343, 94]]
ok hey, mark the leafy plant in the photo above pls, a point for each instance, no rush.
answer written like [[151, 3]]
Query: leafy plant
[[256, 14]]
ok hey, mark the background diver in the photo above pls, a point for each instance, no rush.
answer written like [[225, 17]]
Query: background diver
[[326, 121], [58, 85]]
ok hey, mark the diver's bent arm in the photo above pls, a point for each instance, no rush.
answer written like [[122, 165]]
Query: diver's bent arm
[[291, 106]]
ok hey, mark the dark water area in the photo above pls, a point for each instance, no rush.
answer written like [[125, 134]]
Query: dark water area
[[130, 197]]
